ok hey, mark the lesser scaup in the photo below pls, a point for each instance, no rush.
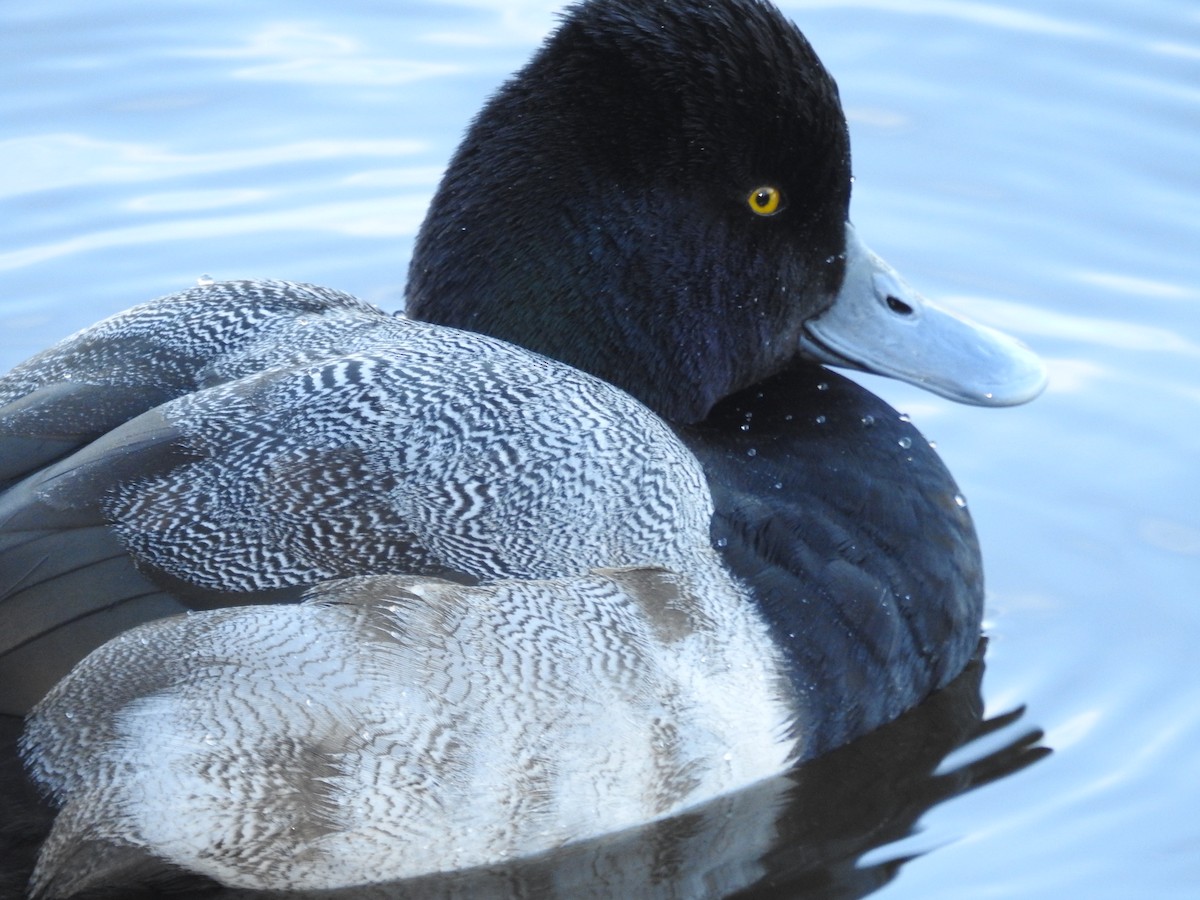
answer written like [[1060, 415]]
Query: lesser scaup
[[545, 597]]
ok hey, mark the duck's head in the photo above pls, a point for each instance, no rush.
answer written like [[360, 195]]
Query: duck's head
[[661, 198]]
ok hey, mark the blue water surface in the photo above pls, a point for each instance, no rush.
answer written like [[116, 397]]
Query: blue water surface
[[1036, 165]]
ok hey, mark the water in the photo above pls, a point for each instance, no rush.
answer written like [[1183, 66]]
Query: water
[[1032, 164]]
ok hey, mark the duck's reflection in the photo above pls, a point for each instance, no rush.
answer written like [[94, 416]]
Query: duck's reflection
[[799, 835]]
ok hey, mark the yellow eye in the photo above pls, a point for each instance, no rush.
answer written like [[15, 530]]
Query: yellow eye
[[765, 200]]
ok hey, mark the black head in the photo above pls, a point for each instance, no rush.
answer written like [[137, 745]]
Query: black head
[[659, 198]]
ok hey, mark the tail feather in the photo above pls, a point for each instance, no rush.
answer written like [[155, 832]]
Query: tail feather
[[52, 579], [62, 595], [55, 420]]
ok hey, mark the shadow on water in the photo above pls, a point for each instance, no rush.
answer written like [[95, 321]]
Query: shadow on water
[[798, 836]]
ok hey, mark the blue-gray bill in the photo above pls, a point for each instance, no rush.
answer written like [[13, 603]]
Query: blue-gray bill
[[879, 324]]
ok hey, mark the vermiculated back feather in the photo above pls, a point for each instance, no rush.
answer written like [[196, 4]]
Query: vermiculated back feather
[[364, 444]]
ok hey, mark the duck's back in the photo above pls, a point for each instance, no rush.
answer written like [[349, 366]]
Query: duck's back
[[359, 443], [100, 377]]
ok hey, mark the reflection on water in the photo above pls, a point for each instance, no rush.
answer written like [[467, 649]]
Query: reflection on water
[[800, 835], [59, 162]]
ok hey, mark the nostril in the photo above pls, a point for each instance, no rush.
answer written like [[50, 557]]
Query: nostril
[[898, 306]]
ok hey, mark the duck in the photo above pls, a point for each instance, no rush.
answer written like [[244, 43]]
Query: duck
[[588, 535]]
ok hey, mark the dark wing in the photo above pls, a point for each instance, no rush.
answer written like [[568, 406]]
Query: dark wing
[[68, 581], [71, 438], [246, 492], [89, 383], [57, 419]]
